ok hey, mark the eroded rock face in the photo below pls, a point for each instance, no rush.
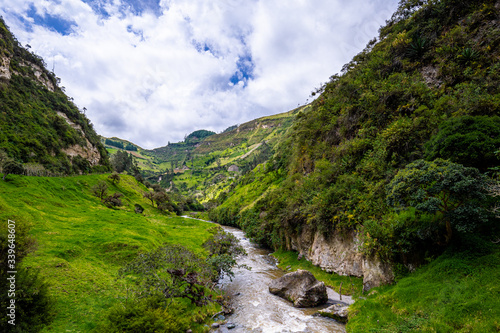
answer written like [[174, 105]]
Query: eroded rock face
[[301, 288], [340, 254], [5, 68], [88, 152]]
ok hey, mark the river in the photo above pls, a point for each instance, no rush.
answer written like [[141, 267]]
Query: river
[[257, 310]]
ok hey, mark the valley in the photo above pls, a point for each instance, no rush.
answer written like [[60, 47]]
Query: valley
[[385, 186]]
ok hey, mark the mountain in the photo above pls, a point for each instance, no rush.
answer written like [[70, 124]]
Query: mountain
[[205, 163], [389, 167], [41, 127], [427, 88]]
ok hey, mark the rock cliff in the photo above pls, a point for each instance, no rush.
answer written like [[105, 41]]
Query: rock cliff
[[341, 254]]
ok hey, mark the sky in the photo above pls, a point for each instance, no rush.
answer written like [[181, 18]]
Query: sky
[[153, 71]]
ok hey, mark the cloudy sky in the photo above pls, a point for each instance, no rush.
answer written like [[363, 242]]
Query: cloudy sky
[[152, 71]]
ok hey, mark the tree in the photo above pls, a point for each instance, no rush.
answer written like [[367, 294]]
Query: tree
[[452, 192], [12, 167], [468, 140], [150, 196], [162, 200], [100, 189], [224, 248], [113, 200], [123, 161], [171, 271], [114, 177], [157, 188]]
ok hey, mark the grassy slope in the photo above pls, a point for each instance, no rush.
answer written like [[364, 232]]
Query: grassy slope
[[458, 292], [82, 244]]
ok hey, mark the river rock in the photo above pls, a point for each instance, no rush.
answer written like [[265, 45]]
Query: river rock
[[339, 312], [301, 288]]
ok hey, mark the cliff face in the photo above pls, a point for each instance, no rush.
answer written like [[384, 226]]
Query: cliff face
[[40, 126], [340, 254]]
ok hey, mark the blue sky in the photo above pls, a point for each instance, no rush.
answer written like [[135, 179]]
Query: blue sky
[[153, 71]]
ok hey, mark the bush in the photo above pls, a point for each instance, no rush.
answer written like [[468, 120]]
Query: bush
[[113, 200], [451, 192], [138, 209], [33, 303], [145, 316], [12, 167], [468, 140]]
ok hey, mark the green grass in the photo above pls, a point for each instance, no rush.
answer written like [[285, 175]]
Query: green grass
[[81, 244], [457, 292], [350, 285]]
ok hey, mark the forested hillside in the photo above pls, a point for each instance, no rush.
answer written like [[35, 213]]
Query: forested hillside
[[398, 154], [425, 90], [42, 131]]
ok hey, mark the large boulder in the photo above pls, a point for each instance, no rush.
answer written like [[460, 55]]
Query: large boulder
[[301, 288]]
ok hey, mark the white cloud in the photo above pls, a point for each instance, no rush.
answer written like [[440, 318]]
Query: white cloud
[[154, 77]]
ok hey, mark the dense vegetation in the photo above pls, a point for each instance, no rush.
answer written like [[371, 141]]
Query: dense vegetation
[[401, 148], [426, 89], [32, 131]]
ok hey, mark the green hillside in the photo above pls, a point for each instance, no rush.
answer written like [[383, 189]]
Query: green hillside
[[80, 244], [403, 149], [40, 127], [199, 166], [426, 89]]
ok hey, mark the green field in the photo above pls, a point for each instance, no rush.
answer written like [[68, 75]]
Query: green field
[[81, 244]]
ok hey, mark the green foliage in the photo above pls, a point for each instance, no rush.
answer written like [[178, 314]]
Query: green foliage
[[123, 161], [100, 189], [171, 271], [36, 115], [33, 304], [450, 191], [468, 140], [114, 177], [451, 294], [223, 249], [417, 48], [12, 167], [33, 307], [197, 136], [113, 200], [145, 316]]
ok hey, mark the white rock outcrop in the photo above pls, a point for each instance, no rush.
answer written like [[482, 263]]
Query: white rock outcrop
[[341, 254]]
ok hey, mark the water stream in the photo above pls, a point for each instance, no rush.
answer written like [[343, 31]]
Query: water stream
[[257, 310]]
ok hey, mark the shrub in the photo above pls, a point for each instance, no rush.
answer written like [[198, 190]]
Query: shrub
[[468, 140], [12, 167], [100, 189], [138, 209], [145, 316], [113, 200]]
